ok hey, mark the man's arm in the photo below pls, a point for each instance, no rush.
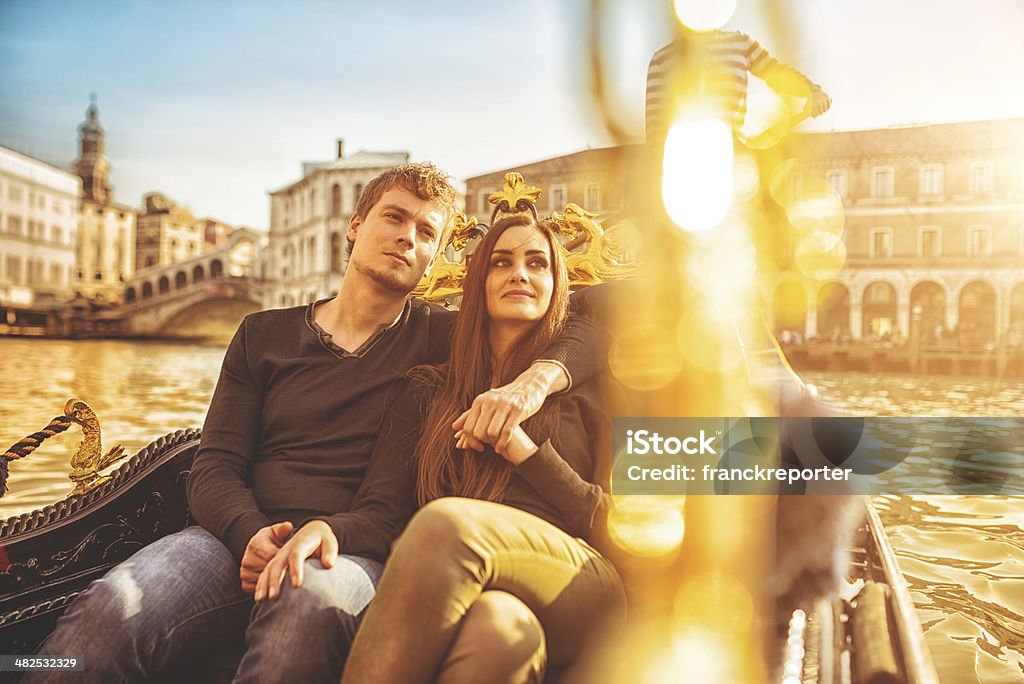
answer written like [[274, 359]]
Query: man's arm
[[578, 354], [218, 487], [786, 80]]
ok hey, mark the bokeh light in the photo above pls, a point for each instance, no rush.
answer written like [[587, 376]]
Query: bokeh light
[[715, 602], [697, 173], [821, 255], [746, 178], [817, 207], [647, 526], [704, 15], [645, 357], [723, 268]]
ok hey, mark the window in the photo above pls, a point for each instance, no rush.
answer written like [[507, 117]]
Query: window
[[931, 179], [336, 200], [483, 206], [14, 192], [979, 241], [557, 198], [881, 243], [56, 206], [928, 242], [836, 179], [593, 197], [14, 225], [14, 270], [56, 234], [355, 196], [55, 274], [883, 181], [979, 178]]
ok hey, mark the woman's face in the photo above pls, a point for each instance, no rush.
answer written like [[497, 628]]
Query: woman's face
[[519, 276]]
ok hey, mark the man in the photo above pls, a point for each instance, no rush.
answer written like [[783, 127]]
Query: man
[[719, 62], [284, 451]]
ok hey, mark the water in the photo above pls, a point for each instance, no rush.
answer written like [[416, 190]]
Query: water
[[963, 555]]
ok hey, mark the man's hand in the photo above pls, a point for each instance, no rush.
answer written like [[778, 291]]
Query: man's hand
[[316, 538], [497, 412], [819, 102], [260, 550]]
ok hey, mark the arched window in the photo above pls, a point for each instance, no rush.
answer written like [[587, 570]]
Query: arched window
[[216, 268], [164, 285], [180, 280], [336, 200], [147, 290], [198, 273], [129, 295], [337, 252]]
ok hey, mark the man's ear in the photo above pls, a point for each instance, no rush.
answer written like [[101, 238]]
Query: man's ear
[[353, 226]]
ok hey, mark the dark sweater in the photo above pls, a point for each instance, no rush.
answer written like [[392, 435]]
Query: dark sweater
[[294, 418], [565, 482]]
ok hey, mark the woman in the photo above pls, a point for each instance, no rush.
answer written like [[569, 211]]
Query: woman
[[491, 575]]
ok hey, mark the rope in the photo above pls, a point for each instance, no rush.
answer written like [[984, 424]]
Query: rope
[[27, 445]]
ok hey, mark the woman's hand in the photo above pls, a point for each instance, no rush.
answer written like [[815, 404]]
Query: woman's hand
[[520, 447], [496, 413], [314, 538]]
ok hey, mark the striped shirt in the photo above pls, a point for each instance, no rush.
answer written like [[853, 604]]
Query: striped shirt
[[726, 57]]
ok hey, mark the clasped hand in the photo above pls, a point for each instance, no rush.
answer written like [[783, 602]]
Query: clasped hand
[[315, 538], [497, 413]]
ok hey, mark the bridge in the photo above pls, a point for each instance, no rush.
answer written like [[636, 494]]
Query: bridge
[[206, 296]]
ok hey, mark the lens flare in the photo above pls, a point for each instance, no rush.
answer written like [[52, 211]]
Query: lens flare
[[645, 357], [697, 174], [817, 207], [820, 255], [717, 603], [723, 269], [746, 178], [648, 526], [704, 15]]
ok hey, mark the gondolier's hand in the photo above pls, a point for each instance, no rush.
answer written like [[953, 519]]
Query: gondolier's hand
[[819, 102], [315, 538], [260, 550], [497, 412]]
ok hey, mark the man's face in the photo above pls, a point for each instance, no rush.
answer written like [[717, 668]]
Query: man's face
[[396, 242]]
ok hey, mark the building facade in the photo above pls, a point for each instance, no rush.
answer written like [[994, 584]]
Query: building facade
[[166, 233], [595, 179], [307, 252], [931, 223], [933, 231], [106, 230], [38, 233]]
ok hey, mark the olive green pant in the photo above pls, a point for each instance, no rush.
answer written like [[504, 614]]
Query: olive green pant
[[477, 591]]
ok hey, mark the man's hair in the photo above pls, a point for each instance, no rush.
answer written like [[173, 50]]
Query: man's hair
[[426, 181]]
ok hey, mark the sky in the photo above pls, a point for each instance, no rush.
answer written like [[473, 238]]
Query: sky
[[217, 102]]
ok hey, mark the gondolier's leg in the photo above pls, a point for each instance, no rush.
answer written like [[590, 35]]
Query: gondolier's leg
[[304, 634], [178, 599]]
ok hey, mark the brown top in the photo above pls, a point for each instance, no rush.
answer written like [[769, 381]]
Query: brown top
[[294, 419]]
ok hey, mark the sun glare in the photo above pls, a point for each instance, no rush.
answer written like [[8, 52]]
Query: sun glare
[[697, 174], [704, 15]]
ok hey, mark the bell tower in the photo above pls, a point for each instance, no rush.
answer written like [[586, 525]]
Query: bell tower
[[92, 165]]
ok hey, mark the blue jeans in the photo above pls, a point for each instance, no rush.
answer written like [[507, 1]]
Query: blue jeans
[[179, 601]]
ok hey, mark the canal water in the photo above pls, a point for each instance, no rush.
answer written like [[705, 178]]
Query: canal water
[[963, 555]]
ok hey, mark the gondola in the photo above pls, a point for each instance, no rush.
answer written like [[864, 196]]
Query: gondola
[[50, 555], [120, 504]]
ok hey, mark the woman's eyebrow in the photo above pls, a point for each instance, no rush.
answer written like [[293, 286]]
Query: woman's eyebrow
[[510, 251]]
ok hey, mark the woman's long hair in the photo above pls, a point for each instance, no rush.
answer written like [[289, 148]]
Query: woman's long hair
[[443, 470]]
